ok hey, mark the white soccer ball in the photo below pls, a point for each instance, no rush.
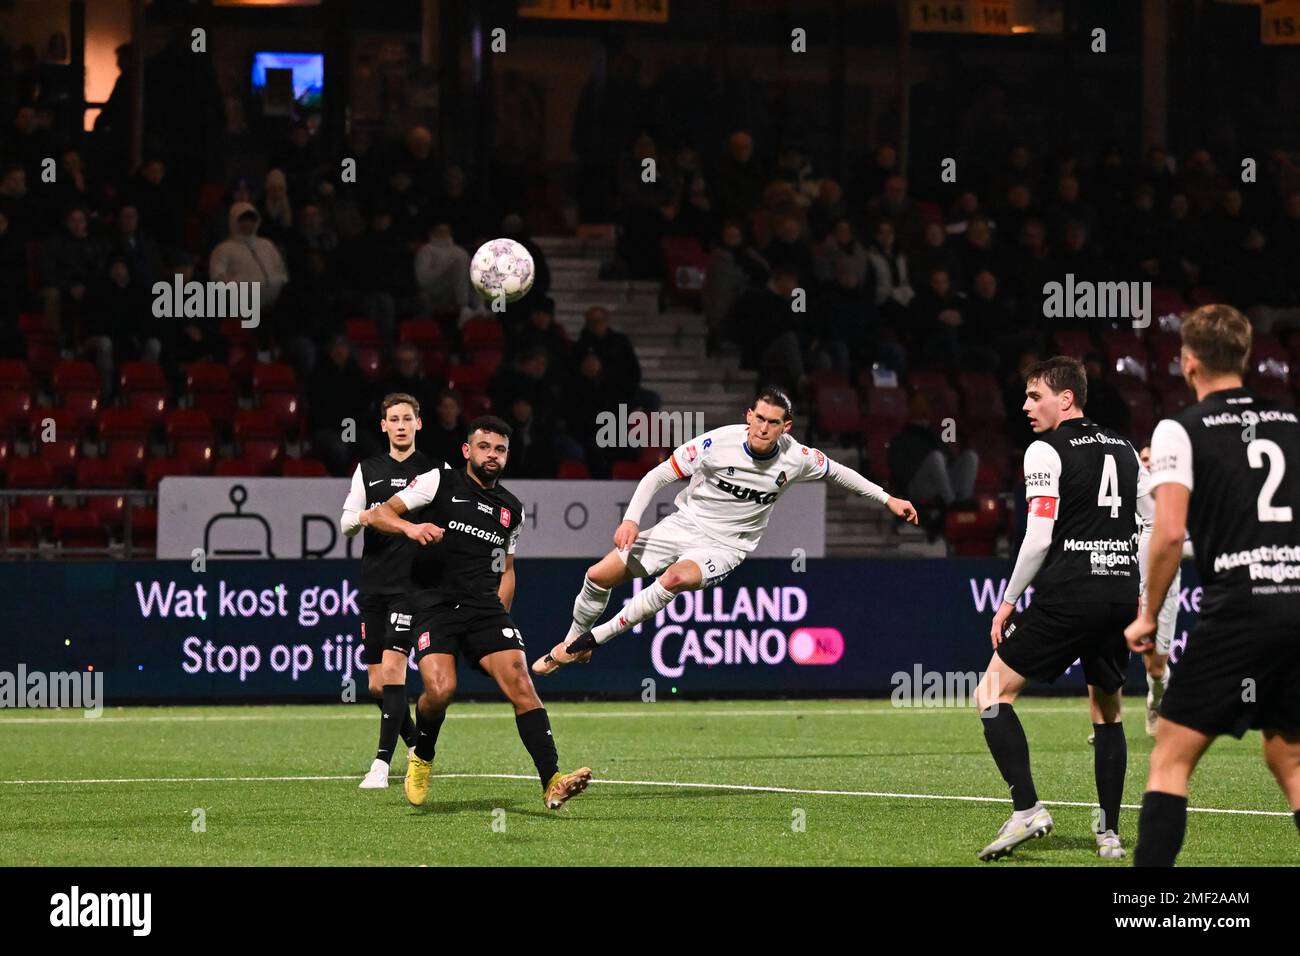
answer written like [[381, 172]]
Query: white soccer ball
[[502, 268]]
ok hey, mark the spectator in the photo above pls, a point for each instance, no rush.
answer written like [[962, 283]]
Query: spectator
[[646, 208], [1106, 406], [740, 178], [246, 257], [541, 331], [313, 234], [842, 250], [276, 210], [893, 290], [141, 252], [826, 210], [454, 206], [588, 393], [734, 267], [1067, 207], [13, 289], [936, 251], [309, 312], [696, 216], [160, 208], [1157, 174], [977, 252], [1258, 285], [442, 271], [1186, 245], [512, 227], [789, 250], [526, 379], [379, 271], [407, 375], [339, 410], [1015, 212], [444, 431], [18, 205], [73, 261], [895, 206], [119, 325], [928, 469], [532, 442], [617, 358]]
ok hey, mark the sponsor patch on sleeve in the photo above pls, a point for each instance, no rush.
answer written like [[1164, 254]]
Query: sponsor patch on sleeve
[[1043, 506]]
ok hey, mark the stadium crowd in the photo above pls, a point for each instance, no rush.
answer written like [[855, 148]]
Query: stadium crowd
[[915, 312]]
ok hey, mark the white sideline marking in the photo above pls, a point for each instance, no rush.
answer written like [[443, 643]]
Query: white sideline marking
[[365, 713], [635, 783]]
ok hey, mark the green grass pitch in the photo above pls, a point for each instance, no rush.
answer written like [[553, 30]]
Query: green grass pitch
[[278, 785]]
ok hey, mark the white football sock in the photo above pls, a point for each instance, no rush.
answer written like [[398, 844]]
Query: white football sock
[[1158, 686], [646, 604], [588, 606]]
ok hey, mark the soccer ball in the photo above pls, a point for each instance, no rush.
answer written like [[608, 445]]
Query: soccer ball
[[502, 268]]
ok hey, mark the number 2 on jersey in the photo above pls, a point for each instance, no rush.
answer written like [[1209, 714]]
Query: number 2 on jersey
[[1108, 495], [1256, 452]]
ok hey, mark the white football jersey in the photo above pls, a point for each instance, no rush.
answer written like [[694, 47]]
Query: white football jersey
[[731, 492]]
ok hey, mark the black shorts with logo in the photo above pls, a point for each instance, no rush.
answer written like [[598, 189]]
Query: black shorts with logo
[[379, 630], [1042, 641], [469, 631], [1236, 675]]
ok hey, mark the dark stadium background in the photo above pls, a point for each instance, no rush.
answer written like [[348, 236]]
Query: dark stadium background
[[1122, 165]]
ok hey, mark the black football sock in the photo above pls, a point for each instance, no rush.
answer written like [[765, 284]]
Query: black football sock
[[1161, 827], [583, 642], [535, 732], [426, 737], [1109, 761], [1010, 750], [1297, 819], [391, 709], [407, 733]]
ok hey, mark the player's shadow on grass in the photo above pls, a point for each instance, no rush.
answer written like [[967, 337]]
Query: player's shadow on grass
[[443, 807]]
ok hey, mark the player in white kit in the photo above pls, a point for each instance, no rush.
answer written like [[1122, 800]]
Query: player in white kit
[[736, 474]]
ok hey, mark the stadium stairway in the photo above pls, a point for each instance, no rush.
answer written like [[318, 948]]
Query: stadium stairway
[[670, 346]]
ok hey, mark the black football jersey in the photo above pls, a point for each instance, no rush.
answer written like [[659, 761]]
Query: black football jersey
[[1236, 452], [480, 527], [1094, 474], [385, 558]]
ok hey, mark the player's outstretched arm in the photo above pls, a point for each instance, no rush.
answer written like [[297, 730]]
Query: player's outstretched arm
[[859, 484], [353, 505], [387, 519], [660, 476], [1033, 551]]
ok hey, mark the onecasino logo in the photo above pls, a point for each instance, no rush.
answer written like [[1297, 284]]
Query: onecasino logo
[[739, 626]]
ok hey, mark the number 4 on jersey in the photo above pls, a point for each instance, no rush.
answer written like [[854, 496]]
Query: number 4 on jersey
[[1108, 495]]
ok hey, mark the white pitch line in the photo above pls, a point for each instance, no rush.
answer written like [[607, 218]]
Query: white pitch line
[[364, 713], [638, 783]]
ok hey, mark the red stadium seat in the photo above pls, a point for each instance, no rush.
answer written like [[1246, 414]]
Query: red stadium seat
[[141, 377], [198, 454], [982, 399], [1166, 301], [686, 265], [160, 468], [837, 410], [238, 468], [629, 470], [1141, 406], [303, 468], [487, 359], [188, 423], [362, 333], [370, 361], [482, 334], [286, 408], [41, 359], [79, 528], [22, 533], [15, 410], [31, 473], [100, 473], [424, 333], [264, 454], [62, 455], [1166, 359], [472, 406], [1073, 343], [144, 528], [274, 377], [467, 378], [975, 533], [886, 412], [233, 330], [256, 423], [573, 470], [1126, 355], [81, 406], [1174, 397], [208, 377], [14, 375], [1270, 387], [121, 423], [75, 375], [152, 406]]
